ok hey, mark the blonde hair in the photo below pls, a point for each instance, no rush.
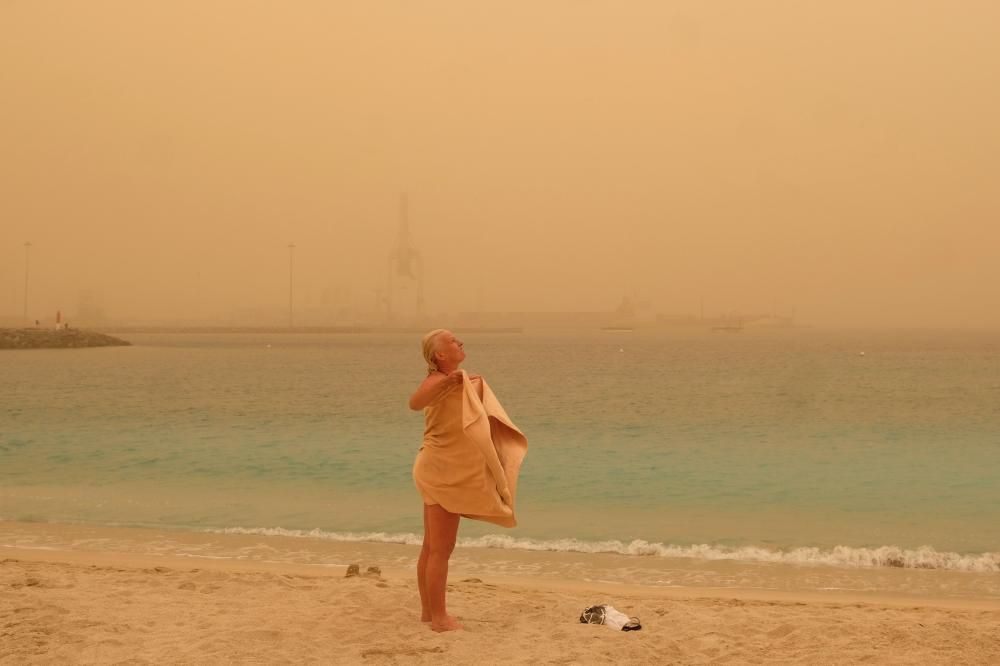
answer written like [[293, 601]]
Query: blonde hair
[[429, 345]]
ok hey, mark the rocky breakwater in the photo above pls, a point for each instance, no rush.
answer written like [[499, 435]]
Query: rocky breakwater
[[38, 338]]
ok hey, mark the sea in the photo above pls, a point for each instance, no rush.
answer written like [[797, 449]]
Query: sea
[[786, 459]]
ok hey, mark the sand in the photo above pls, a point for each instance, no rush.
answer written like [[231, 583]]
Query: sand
[[87, 607]]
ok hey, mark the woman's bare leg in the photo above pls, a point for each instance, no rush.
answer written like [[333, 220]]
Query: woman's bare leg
[[440, 531], [425, 608]]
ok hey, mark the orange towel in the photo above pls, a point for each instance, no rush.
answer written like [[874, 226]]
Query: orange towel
[[471, 455]]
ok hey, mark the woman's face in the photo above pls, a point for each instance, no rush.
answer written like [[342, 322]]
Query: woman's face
[[450, 349]]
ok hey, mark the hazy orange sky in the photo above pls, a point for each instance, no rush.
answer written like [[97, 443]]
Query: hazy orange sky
[[838, 159]]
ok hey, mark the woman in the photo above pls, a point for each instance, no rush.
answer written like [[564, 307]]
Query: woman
[[467, 466]]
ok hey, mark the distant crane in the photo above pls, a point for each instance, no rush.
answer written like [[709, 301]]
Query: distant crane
[[405, 263], [27, 256], [291, 254]]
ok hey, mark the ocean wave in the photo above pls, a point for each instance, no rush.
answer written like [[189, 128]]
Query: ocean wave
[[924, 557]]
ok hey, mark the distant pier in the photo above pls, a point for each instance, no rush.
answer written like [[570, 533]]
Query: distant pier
[[325, 330], [42, 338]]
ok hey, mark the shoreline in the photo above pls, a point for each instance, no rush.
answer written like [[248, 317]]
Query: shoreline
[[135, 561], [145, 546]]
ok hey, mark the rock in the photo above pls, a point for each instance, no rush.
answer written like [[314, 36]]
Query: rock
[[44, 338], [373, 572], [353, 570]]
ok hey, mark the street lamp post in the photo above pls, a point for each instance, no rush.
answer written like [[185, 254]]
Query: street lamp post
[[291, 255], [27, 256]]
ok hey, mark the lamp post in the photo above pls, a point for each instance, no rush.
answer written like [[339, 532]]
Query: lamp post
[[27, 256], [291, 256]]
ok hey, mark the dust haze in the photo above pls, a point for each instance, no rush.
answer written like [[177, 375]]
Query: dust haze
[[832, 161]]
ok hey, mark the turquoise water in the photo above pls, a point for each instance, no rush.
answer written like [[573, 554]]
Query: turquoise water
[[781, 445]]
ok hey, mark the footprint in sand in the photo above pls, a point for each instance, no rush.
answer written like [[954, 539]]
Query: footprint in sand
[[260, 635], [295, 582], [28, 582], [399, 652], [781, 631]]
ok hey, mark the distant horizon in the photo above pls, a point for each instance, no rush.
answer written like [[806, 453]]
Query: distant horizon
[[151, 325]]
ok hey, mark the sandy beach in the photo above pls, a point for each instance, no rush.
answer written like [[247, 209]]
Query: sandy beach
[[107, 607]]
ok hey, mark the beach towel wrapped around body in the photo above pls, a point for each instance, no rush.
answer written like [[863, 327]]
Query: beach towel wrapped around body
[[471, 454]]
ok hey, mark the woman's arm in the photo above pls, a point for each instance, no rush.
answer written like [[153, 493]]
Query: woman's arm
[[432, 387]]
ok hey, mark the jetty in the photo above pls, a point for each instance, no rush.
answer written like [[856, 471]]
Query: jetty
[[65, 338], [319, 330]]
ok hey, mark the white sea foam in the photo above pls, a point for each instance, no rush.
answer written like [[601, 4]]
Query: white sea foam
[[924, 557]]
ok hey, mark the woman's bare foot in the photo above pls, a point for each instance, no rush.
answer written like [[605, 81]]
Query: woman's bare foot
[[448, 624]]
